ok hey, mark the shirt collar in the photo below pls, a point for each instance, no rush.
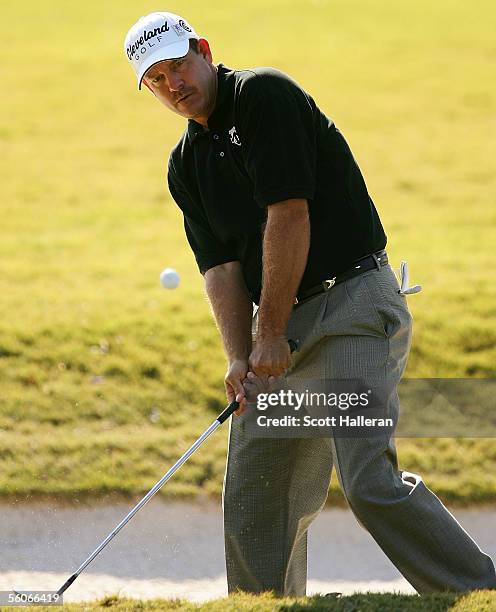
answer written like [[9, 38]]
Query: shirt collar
[[194, 129]]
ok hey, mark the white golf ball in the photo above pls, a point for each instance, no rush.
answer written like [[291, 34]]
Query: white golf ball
[[169, 278]]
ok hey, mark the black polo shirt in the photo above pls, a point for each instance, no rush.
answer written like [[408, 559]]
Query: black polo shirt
[[268, 141]]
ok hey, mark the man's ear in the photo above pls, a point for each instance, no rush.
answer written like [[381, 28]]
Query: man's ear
[[204, 49]]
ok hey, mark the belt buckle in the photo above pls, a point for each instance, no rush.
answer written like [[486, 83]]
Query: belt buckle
[[328, 283]]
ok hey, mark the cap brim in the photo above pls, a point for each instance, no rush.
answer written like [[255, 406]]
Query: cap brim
[[179, 49]]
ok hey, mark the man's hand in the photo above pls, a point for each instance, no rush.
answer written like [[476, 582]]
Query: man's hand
[[270, 356], [233, 382], [254, 385]]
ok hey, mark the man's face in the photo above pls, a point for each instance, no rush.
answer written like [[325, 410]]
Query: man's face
[[187, 85]]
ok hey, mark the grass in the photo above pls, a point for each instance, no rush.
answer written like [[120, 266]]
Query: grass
[[476, 601], [105, 377]]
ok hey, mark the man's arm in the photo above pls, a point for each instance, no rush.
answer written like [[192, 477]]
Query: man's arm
[[232, 308], [285, 252]]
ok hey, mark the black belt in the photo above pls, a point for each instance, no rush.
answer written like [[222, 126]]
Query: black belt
[[376, 260]]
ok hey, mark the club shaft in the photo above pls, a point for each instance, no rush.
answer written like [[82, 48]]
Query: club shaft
[[223, 416], [149, 495]]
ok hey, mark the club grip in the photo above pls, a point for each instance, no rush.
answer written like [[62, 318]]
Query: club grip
[[233, 406], [226, 413]]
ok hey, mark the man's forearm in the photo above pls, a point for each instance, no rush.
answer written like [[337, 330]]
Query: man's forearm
[[232, 308], [285, 252]]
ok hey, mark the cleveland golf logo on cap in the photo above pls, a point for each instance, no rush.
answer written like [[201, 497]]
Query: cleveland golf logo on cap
[[146, 36], [157, 37]]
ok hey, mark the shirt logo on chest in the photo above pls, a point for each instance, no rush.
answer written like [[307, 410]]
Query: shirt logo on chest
[[234, 136]]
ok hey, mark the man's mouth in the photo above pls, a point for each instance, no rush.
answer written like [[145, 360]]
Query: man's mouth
[[184, 98]]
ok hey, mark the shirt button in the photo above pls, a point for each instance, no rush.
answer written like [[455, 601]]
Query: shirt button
[[222, 153], [216, 137]]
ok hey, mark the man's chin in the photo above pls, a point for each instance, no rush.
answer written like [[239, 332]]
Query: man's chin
[[191, 113]]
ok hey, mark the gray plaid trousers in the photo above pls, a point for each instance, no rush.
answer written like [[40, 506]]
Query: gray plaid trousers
[[274, 488]]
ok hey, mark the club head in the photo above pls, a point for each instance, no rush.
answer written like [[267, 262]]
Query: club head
[[67, 583]]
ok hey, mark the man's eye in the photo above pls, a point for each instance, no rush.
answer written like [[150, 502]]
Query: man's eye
[[156, 79]]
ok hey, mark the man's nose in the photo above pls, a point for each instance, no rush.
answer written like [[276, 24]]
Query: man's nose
[[175, 82]]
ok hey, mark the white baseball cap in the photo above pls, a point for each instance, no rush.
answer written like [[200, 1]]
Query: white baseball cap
[[157, 37]]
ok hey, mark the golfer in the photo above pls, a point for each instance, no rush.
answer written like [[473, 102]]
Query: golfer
[[277, 214]]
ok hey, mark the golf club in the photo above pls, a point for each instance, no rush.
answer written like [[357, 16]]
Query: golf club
[[223, 416]]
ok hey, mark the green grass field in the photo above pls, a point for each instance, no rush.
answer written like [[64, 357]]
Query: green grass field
[[105, 377], [477, 601]]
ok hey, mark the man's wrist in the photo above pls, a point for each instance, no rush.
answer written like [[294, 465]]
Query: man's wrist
[[270, 335], [273, 316], [239, 352], [238, 359]]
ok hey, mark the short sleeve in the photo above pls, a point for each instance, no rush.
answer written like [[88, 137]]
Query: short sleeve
[[276, 125], [208, 250]]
